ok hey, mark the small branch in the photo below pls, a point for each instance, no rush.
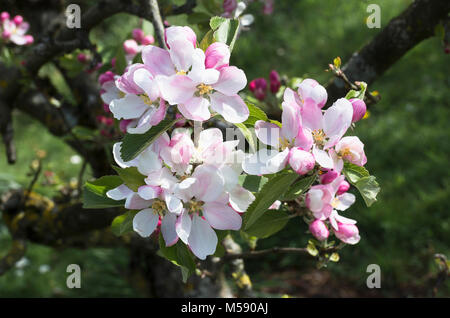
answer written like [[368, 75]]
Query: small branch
[[198, 127], [157, 23], [274, 250], [7, 132]]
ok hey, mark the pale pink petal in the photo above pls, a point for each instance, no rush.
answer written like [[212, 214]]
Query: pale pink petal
[[145, 80], [291, 121], [278, 162], [135, 202], [145, 222], [221, 216], [195, 108], [168, 229], [322, 158], [268, 133], [210, 183], [231, 80], [232, 108], [202, 239], [241, 198], [336, 120], [119, 193], [158, 60], [176, 89], [183, 226], [129, 107], [148, 192]]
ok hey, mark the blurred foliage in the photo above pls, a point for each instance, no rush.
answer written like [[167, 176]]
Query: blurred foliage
[[406, 138]]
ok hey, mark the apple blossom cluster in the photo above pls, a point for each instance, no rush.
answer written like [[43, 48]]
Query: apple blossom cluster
[[183, 75], [309, 138], [190, 190], [14, 30], [134, 46]]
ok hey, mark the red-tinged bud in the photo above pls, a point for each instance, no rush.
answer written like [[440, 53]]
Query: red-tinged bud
[[319, 230], [18, 19], [359, 109]]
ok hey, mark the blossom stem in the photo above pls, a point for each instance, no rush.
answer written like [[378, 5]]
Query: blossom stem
[[157, 23], [197, 130]]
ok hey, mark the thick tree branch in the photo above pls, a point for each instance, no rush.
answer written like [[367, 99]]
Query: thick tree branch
[[402, 33]]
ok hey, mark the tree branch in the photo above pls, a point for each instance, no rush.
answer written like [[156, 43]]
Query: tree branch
[[402, 33]]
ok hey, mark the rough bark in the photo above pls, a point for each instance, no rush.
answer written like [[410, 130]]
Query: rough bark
[[402, 33]]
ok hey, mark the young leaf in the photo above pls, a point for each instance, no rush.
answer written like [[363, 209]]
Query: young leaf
[[179, 255], [94, 193], [299, 187], [357, 94], [134, 144], [365, 183], [272, 191], [248, 134], [271, 222], [368, 188], [225, 30], [123, 223], [255, 114], [132, 178], [207, 40], [252, 183]]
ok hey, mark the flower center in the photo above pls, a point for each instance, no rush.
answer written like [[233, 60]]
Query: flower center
[[284, 143], [204, 89], [158, 207], [195, 206], [344, 153], [181, 72], [319, 137], [335, 203]]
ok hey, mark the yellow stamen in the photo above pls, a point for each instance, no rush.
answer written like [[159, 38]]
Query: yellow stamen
[[181, 73], [158, 207], [204, 89], [284, 143], [196, 206], [146, 99], [319, 137]]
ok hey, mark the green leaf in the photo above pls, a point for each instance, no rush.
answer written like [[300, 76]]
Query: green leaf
[[271, 191], [357, 94], [132, 178], [311, 248], [123, 223], [207, 40], [134, 144], [299, 187], [365, 183], [368, 188], [179, 255], [248, 134], [255, 114], [121, 62], [94, 193], [251, 182], [225, 30], [271, 222], [353, 172]]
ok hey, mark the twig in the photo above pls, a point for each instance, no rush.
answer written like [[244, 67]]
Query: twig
[[157, 23], [37, 172], [80, 177], [274, 250]]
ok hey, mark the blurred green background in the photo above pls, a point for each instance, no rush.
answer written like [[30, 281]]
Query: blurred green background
[[406, 142]]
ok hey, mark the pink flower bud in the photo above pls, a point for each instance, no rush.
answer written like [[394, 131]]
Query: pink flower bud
[[4, 16], [180, 123], [259, 88], [18, 19], [351, 149], [275, 82], [6, 34], [268, 7], [301, 161], [229, 6], [106, 108], [328, 176], [82, 58], [343, 187], [106, 77], [359, 109], [347, 233], [123, 125], [29, 38], [217, 55], [138, 34], [319, 230], [310, 91], [166, 23], [147, 40], [131, 47]]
